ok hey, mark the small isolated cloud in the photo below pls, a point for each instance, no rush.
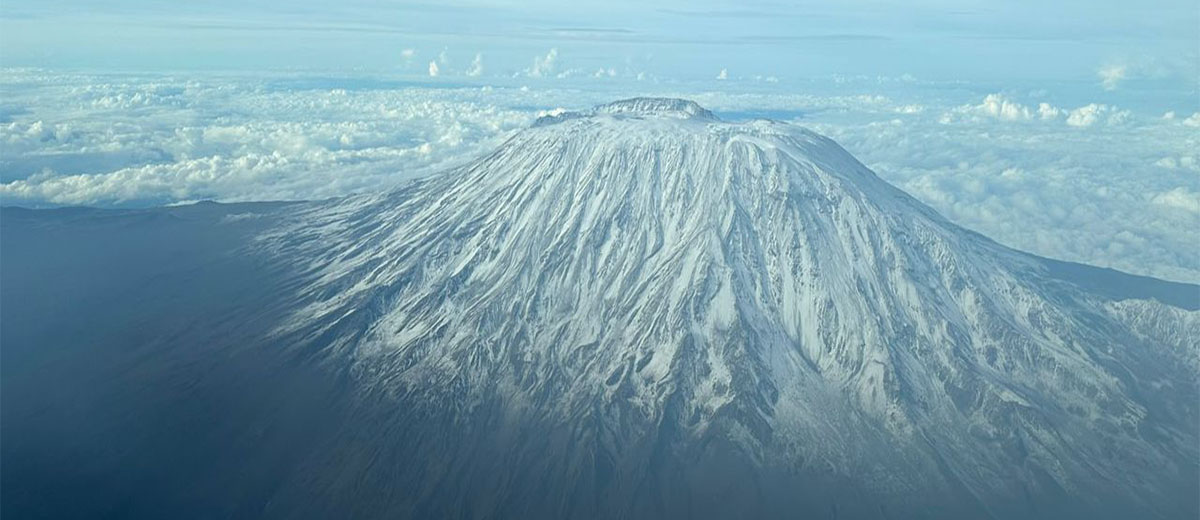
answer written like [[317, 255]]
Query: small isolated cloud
[[723, 75], [1090, 114], [1116, 71], [1111, 75], [543, 66], [476, 68], [1085, 115], [433, 69], [1186, 162], [1179, 198], [407, 58], [997, 106], [1192, 120], [1047, 111]]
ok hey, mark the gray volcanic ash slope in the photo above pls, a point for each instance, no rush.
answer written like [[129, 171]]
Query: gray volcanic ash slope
[[642, 311]]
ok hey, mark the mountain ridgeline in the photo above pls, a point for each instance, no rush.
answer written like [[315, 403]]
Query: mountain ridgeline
[[636, 311]]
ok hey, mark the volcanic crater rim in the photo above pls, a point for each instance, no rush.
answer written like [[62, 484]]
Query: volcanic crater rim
[[637, 107]]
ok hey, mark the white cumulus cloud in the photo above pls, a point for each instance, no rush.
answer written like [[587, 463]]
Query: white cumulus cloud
[[1001, 108], [1180, 198], [1112, 75], [476, 68], [1047, 111], [993, 106], [543, 66], [1092, 113]]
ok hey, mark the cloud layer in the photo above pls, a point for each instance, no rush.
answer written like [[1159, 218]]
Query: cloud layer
[[1085, 181], [160, 140], [1093, 184]]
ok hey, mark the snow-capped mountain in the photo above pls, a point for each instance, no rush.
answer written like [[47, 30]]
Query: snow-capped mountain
[[643, 311]]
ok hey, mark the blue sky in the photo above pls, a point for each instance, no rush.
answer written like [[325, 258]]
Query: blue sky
[[1021, 40]]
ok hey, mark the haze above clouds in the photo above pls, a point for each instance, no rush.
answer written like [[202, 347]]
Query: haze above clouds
[[1103, 42]]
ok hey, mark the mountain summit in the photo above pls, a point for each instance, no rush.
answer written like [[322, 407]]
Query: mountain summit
[[639, 107], [643, 311]]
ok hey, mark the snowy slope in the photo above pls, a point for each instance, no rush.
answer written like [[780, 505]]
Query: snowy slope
[[637, 311], [652, 284]]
